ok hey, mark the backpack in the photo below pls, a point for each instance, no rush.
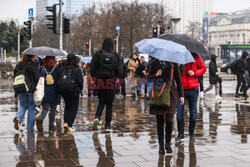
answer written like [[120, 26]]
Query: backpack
[[49, 78], [19, 84], [67, 81], [106, 66]]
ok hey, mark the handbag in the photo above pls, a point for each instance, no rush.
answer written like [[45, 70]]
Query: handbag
[[39, 93], [161, 97]]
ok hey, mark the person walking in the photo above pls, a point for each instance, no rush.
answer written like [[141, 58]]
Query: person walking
[[164, 72], [191, 92], [106, 68], [240, 71], [132, 66], [50, 99], [213, 77], [30, 70], [141, 81], [70, 84], [247, 79]]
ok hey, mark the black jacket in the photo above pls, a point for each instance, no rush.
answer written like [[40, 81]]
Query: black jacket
[[95, 63], [213, 78], [31, 73], [241, 64]]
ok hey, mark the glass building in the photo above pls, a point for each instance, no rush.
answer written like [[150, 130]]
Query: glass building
[[70, 7]]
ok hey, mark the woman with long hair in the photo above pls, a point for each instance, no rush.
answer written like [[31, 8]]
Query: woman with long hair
[[50, 98], [31, 72]]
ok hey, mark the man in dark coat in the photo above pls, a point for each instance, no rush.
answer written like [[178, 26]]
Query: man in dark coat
[[105, 68], [241, 68], [247, 79], [213, 77]]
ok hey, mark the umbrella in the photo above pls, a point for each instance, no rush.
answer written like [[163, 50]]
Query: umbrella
[[190, 43], [44, 51], [86, 60], [165, 50]]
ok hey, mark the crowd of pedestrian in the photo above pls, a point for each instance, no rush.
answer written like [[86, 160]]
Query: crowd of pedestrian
[[173, 83]]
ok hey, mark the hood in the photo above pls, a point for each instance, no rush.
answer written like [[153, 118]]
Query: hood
[[244, 54], [71, 58], [108, 45], [213, 57]]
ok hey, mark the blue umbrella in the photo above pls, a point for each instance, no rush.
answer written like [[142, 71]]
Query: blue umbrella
[[165, 50], [86, 60]]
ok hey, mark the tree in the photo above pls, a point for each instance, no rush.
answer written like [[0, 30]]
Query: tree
[[194, 30]]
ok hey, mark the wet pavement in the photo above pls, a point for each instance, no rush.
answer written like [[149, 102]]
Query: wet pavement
[[222, 134]]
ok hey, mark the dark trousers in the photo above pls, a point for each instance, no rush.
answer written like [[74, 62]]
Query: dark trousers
[[161, 119], [106, 98], [200, 79], [191, 95], [71, 101], [240, 80]]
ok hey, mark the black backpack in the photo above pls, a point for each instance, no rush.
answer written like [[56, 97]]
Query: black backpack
[[20, 80], [67, 81], [106, 66]]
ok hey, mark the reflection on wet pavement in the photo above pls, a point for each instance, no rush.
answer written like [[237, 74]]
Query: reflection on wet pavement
[[221, 137]]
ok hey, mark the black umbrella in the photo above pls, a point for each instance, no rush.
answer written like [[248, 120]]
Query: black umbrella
[[44, 51], [190, 43]]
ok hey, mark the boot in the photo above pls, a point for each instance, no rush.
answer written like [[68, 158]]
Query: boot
[[39, 125], [161, 149], [168, 148]]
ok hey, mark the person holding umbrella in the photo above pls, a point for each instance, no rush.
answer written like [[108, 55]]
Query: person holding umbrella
[[190, 84]]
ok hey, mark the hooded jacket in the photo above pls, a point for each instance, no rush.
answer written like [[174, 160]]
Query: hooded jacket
[[241, 64], [213, 78], [199, 68], [107, 46]]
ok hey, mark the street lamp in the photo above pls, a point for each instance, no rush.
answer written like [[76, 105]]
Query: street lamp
[[175, 20]]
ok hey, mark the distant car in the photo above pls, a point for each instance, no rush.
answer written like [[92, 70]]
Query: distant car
[[229, 68]]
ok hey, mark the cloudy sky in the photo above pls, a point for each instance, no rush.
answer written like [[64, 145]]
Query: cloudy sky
[[19, 8]]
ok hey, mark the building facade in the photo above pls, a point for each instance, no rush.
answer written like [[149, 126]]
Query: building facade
[[188, 11], [70, 7], [228, 29]]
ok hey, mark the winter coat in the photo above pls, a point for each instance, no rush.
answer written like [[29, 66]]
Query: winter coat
[[213, 77], [241, 66], [199, 68], [51, 91], [133, 64], [31, 73], [95, 63], [153, 67], [139, 70]]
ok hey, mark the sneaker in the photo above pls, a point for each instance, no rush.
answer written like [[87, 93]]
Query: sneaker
[[71, 129], [95, 124], [65, 126], [39, 125], [179, 138], [237, 95], [16, 125], [218, 97], [108, 128], [202, 95]]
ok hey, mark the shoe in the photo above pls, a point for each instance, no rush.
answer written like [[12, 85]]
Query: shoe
[[95, 124], [142, 96], [202, 95], [218, 97], [168, 148], [179, 138], [237, 95], [16, 139], [192, 138], [108, 128], [39, 125], [16, 125], [71, 129], [133, 95], [65, 126], [161, 149], [52, 129]]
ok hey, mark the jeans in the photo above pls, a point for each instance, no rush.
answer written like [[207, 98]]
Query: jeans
[[71, 101], [106, 98], [27, 103], [168, 129], [46, 106], [149, 85], [191, 95]]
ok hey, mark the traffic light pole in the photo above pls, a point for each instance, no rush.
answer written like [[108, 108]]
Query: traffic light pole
[[117, 42], [18, 46], [61, 24], [31, 27], [90, 47]]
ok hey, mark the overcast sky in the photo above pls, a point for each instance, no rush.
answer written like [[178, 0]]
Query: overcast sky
[[19, 8]]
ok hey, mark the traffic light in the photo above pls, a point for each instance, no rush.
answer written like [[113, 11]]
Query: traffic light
[[66, 26], [51, 18], [115, 39], [27, 29], [87, 44], [155, 33], [162, 30]]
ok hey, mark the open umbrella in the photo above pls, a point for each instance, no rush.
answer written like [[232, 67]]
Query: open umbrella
[[86, 60], [44, 51], [165, 50], [190, 43]]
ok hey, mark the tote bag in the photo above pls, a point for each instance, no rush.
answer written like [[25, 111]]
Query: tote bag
[[39, 93]]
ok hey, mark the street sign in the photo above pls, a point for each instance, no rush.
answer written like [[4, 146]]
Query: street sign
[[118, 28], [30, 13]]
